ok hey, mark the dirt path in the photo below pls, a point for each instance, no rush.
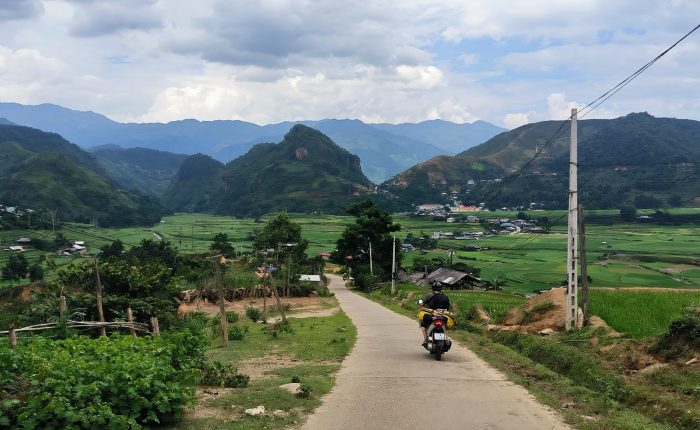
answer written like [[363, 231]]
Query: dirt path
[[389, 381]]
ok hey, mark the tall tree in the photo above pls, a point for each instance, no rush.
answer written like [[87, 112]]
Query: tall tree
[[374, 226], [16, 267], [284, 236], [222, 244]]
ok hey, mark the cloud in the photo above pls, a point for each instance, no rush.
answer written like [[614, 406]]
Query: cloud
[[99, 18], [11, 10], [515, 120], [283, 33]]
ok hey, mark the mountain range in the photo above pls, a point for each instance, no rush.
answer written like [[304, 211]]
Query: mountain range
[[44, 172], [637, 159], [384, 149], [305, 172]]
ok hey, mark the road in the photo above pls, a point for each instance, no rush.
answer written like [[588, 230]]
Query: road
[[389, 381]]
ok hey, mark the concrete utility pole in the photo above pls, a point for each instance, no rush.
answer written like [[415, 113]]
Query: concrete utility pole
[[584, 266], [393, 268], [98, 297], [222, 303], [571, 306]]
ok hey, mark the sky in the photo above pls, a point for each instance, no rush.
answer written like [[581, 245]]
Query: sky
[[504, 61]]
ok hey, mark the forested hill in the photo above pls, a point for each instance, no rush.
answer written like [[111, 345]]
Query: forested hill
[[147, 170], [637, 159], [305, 172], [44, 172]]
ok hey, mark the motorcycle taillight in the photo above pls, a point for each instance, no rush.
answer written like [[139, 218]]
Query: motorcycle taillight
[[438, 323]]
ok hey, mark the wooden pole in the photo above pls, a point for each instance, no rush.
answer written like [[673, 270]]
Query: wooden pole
[[130, 318], [156, 327], [264, 290], [13, 336], [98, 296], [277, 298], [371, 268], [584, 268], [222, 303], [62, 307]]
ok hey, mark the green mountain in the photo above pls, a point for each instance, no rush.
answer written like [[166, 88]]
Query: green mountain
[[636, 159], [195, 187], [147, 170], [306, 172], [43, 171]]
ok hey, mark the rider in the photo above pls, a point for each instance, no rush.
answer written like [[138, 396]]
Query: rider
[[433, 300]]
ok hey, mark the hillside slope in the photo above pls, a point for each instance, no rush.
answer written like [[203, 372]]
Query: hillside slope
[[636, 159], [147, 170], [306, 172], [42, 171]]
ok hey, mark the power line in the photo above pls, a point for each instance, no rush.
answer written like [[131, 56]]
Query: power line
[[614, 90]]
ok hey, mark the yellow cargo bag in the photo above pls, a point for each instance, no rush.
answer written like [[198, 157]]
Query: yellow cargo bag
[[450, 316]]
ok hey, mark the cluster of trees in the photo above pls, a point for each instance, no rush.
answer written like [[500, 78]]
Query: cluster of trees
[[17, 267], [372, 226]]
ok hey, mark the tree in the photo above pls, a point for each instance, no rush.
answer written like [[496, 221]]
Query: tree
[[60, 240], [16, 267], [222, 244], [374, 226], [628, 213], [282, 235], [36, 272], [114, 249]]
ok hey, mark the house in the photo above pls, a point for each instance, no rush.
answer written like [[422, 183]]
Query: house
[[310, 278], [79, 243], [451, 219], [15, 248], [453, 279], [463, 208], [325, 255], [24, 241], [429, 207]]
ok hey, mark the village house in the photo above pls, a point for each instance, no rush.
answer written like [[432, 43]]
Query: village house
[[453, 279]]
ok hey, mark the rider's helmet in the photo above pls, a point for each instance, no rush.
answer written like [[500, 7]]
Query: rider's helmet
[[437, 286]]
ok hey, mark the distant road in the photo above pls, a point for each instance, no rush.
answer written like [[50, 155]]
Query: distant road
[[390, 382]]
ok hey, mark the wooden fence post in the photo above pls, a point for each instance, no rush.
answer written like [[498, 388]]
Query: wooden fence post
[[13, 336], [222, 303], [98, 296], [130, 319], [277, 299], [154, 324], [62, 307]]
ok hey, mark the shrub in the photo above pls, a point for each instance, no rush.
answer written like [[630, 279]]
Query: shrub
[[295, 379], [223, 375], [232, 317], [254, 314], [235, 333], [682, 337], [109, 382], [304, 391]]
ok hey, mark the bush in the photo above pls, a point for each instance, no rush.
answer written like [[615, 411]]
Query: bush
[[254, 314], [232, 317], [295, 380], [109, 382], [236, 333], [304, 391], [223, 375], [682, 337]]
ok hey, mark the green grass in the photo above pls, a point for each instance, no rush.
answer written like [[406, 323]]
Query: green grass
[[641, 313], [318, 346], [621, 255]]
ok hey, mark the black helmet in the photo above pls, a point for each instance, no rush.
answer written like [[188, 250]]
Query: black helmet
[[437, 286]]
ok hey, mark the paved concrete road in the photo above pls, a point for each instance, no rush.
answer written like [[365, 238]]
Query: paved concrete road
[[390, 382]]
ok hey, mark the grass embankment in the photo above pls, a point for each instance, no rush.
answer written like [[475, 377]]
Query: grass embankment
[[592, 378], [310, 349]]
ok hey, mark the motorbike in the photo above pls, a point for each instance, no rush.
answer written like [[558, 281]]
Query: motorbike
[[437, 342]]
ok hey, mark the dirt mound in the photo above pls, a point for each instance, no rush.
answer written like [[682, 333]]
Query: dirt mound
[[542, 312]]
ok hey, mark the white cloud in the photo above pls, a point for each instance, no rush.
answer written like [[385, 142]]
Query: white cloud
[[515, 120]]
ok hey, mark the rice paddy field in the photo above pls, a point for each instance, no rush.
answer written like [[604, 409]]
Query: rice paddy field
[[620, 256]]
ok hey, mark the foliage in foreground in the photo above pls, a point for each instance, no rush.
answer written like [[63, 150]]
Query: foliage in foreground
[[110, 382]]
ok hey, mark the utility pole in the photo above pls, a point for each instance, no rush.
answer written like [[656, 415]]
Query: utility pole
[[393, 267], [571, 306], [584, 268], [371, 270]]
